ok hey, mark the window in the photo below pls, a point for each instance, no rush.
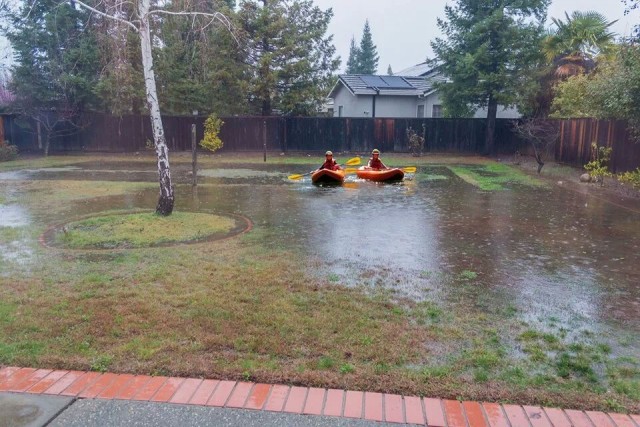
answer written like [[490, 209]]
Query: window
[[340, 111], [420, 111], [436, 111]]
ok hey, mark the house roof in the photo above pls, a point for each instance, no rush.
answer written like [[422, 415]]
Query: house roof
[[421, 69], [368, 84]]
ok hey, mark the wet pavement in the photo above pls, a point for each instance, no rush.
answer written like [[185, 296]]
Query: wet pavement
[[548, 253]]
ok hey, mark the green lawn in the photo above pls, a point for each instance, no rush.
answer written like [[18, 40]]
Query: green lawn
[[247, 308]]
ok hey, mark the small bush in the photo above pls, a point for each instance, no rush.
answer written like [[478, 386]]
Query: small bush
[[632, 178], [416, 142], [7, 151], [212, 126], [597, 167]]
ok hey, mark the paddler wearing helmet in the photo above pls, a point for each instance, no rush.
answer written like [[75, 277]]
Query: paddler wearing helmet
[[375, 162], [329, 162]]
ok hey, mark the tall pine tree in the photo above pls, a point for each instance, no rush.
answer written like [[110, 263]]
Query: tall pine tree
[[200, 67], [290, 56], [368, 57], [57, 65], [353, 66], [489, 50]]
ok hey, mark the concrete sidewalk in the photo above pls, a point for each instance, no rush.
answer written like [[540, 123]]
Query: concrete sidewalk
[[37, 397]]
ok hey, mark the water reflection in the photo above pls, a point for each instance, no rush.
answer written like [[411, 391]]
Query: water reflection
[[13, 216], [549, 253]]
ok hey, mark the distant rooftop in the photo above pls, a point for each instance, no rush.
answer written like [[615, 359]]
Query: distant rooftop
[[368, 84], [421, 69]]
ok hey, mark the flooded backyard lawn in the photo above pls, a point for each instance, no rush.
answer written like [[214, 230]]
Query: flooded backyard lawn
[[469, 279]]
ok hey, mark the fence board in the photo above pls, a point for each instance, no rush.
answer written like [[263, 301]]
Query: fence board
[[316, 134]]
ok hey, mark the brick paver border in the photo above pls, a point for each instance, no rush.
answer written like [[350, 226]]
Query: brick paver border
[[391, 408]]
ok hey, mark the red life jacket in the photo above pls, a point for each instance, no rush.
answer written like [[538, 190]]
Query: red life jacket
[[330, 164], [376, 163]]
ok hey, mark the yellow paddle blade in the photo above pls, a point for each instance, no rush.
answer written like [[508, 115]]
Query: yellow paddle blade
[[353, 162], [295, 176], [351, 170], [409, 169]]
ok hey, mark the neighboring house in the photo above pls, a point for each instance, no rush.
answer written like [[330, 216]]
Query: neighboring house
[[409, 93]]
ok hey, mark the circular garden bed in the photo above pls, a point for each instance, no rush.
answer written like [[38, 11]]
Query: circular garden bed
[[130, 230]]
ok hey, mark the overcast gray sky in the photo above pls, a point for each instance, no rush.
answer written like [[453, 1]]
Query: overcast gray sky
[[402, 29]]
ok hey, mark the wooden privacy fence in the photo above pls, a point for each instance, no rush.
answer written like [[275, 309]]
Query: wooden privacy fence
[[307, 134], [316, 134], [577, 135]]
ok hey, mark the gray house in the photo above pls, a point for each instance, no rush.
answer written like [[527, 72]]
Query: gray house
[[409, 93]]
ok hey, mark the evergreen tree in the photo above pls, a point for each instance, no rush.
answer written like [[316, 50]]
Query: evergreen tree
[[368, 57], [57, 65], [121, 86], [490, 48], [200, 67], [290, 57], [389, 70], [353, 67]]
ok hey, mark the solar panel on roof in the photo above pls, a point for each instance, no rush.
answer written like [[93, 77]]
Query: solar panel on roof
[[374, 81], [396, 82], [386, 82]]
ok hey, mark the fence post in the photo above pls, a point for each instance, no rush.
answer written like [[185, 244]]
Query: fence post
[[194, 155], [39, 132], [264, 138]]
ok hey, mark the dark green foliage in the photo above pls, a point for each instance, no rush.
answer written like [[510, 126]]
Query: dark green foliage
[[121, 85], [201, 67], [290, 57], [389, 70], [57, 64], [7, 151], [612, 91], [368, 54], [56, 57], [353, 66], [489, 49]]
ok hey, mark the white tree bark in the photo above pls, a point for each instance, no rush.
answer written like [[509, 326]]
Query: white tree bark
[[141, 26], [166, 200]]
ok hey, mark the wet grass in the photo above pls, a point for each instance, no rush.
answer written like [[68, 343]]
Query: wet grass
[[494, 176], [141, 229], [246, 308]]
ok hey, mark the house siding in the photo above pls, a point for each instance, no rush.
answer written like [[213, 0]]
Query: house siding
[[362, 105], [396, 106], [353, 106]]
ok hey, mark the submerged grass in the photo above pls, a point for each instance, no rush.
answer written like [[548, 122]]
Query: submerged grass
[[246, 308], [142, 229], [494, 176]]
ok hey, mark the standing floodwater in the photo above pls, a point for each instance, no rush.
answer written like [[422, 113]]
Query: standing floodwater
[[552, 256]]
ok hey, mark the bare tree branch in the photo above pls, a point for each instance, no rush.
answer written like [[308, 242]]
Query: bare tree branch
[[220, 17], [106, 15]]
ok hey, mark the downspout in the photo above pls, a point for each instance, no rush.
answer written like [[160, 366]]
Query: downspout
[[373, 107]]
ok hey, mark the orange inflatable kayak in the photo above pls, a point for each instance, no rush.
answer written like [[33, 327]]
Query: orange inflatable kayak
[[327, 175], [380, 175]]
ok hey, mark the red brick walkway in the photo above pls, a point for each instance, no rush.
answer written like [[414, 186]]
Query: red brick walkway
[[300, 400]]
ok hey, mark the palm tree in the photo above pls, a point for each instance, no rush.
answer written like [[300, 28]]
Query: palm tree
[[573, 46]]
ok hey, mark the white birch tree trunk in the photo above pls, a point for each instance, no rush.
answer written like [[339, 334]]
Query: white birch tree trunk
[[166, 200]]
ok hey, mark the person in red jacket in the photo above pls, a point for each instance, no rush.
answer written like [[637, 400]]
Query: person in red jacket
[[329, 162], [375, 162]]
